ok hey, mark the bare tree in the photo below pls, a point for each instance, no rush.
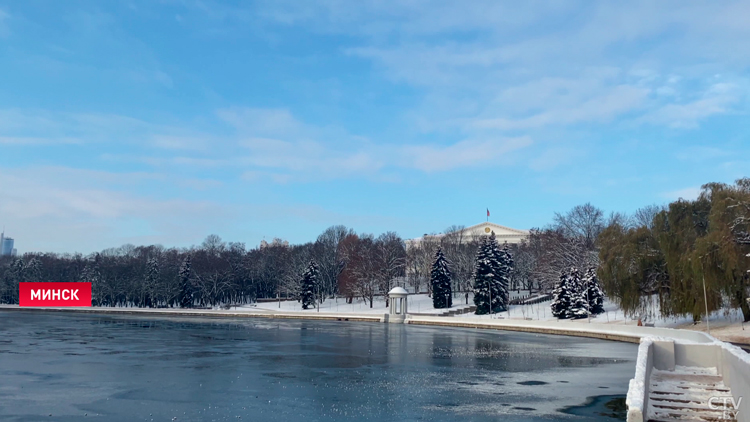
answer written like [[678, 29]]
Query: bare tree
[[360, 275], [644, 217], [329, 257], [460, 251], [213, 244], [390, 257], [585, 221], [419, 257]]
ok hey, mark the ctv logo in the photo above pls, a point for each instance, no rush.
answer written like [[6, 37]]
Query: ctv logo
[[54, 294], [728, 407]]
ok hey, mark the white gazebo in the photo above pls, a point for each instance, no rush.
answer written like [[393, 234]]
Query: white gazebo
[[398, 305]]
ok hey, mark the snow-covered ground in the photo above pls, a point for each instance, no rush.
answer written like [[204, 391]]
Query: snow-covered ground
[[420, 304], [725, 324]]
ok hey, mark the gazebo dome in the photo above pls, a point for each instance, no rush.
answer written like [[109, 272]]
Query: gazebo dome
[[398, 291]]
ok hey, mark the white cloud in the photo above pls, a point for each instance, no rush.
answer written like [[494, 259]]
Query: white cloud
[[30, 140], [553, 157], [58, 209], [464, 154], [174, 142], [465, 57], [686, 193], [4, 29], [263, 122], [702, 153], [599, 107], [718, 99]]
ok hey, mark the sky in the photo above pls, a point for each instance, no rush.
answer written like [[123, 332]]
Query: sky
[[160, 122]]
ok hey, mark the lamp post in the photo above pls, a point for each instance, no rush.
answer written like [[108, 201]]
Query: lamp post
[[705, 297], [489, 287], [588, 301]]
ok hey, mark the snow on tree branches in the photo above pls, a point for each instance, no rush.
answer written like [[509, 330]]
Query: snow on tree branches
[[593, 292], [440, 278], [573, 296], [491, 276], [309, 285], [186, 285]]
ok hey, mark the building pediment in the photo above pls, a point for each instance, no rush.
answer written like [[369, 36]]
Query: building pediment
[[488, 228], [502, 233]]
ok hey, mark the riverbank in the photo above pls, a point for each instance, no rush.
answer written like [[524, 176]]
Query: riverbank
[[580, 328]]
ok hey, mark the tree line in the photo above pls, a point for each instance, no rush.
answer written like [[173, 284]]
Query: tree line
[[218, 272], [665, 252]]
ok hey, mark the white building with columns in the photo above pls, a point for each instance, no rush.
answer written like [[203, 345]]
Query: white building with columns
[[476, 232]]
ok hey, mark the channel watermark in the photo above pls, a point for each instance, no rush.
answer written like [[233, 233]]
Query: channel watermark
[[727, 405]]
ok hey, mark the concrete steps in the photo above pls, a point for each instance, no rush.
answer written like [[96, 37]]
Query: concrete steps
[[684, 395]]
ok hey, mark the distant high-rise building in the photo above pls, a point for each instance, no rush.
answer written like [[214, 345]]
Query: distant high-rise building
[[6, 245]]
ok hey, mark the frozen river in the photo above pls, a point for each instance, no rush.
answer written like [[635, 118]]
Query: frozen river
[[72, 367]]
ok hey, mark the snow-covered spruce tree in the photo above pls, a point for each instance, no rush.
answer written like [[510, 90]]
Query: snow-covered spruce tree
[[501, 262], [440, 279], [152, 283], [562, 297], [567, 298], [505, 268], [309, 285], [595, 295], [483, 278], [186, 285], [91, 274], [490, 285], [578, 304]]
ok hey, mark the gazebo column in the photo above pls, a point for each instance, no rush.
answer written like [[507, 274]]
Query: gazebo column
[[399, 307]]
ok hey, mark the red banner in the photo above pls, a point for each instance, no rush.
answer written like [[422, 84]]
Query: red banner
[[54, 294]]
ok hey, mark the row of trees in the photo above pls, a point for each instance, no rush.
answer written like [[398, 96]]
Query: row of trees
[[692, 255], [216, 272], [491, 276]]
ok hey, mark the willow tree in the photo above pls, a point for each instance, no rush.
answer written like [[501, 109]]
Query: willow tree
[[677, 231], [722, 254], [632, 267], [694, 255]]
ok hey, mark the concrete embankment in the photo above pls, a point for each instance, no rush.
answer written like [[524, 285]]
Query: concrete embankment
[[625, 333], [217, 313]]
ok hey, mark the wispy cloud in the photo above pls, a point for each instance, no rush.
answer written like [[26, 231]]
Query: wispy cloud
[[4, 29], [29, 140], [718, 99], [600, 107], [463, 154], [699, 153], [61, 209], [690, 193]]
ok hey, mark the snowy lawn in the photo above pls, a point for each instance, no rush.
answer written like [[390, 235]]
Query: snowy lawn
[[420, 304]]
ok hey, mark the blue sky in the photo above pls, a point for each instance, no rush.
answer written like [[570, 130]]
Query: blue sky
[[164, 121]]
